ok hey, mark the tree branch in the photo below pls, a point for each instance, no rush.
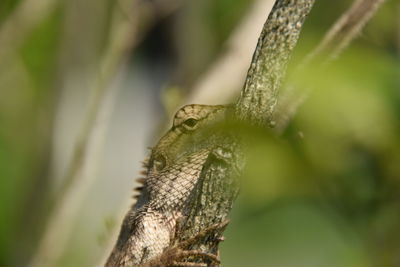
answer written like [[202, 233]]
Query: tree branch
[[277, 40]]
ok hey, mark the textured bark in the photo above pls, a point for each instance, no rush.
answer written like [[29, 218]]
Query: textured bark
[[213, 198], [277, 40]]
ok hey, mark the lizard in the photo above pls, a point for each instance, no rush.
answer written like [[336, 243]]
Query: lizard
[[188, 178], [191, 148]]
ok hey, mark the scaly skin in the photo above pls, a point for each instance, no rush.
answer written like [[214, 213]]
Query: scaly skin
[[173, 171]]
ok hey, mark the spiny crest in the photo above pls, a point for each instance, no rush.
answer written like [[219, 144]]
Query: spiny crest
[[142, 179]]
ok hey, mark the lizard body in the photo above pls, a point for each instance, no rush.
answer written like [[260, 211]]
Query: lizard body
[[173, 171]]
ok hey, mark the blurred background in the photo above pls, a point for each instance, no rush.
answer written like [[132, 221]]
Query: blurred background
[[87, 86]]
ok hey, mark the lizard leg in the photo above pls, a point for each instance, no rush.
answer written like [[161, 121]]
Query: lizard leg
[[173, 256], [219, 226], [182, 254], [197, 254]]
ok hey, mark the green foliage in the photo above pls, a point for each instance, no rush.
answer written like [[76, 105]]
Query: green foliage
[[43, 43]]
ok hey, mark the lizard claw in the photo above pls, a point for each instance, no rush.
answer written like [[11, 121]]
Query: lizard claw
[[212, 229], [197, 253], [194, 254], [188, 264]]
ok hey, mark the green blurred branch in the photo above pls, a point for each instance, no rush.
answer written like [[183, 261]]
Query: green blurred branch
[[340, 35], [18, 25], [83, 164], [345, 29]]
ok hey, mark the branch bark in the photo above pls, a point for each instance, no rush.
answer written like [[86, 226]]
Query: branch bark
[[277, 40]]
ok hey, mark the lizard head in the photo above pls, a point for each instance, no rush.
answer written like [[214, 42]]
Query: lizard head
[[191, 117], [187, 124], [192, 129], [191, 125]]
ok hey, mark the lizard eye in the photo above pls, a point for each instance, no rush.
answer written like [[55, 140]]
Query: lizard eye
[[190, 123], [159, 162]]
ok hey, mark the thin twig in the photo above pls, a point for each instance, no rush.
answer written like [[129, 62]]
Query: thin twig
[[345, 29], [340, 35]]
